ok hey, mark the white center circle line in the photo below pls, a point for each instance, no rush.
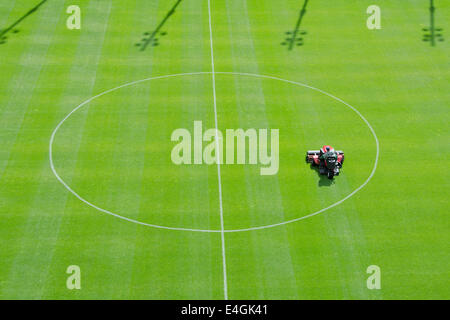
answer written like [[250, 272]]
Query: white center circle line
[[52, 138]]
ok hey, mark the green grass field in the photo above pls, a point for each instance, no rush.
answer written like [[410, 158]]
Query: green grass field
[[115, 151]]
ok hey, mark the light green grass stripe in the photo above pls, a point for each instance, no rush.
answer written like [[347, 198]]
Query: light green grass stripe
[[116, 193], [21, 87], [6, 8], [84, 75], [23, 145], [35, 227], [121, 196], [255, 116], [177, 265]]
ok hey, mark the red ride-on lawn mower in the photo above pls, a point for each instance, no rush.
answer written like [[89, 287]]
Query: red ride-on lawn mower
[[327, 160]]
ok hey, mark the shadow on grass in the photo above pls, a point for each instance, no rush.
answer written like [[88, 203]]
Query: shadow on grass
[[150, 38], [432, 34], [323, 179], [4, 37], [292, 38]]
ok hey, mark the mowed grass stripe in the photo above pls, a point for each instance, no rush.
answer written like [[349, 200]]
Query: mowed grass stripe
[[101, 133], [265, 202], [293, 127], [317, 130], [126, 160], [246, 110], [5, 12], [23, 170], [54, 229], [98, 263], [25, 76], [10, 53], [167, 198], [174, 264], [286, 262], [67, 144], [108, 271], [412, 94], [45, 208], [346, 256], [178, 264], [262, 193], [304, 113]]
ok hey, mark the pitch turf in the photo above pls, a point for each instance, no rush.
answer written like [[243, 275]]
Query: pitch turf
[[115, 151]]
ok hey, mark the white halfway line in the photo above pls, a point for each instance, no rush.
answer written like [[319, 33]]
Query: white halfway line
[[222, 233]]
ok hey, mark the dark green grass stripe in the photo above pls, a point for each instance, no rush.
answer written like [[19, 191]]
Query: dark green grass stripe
[[21, 87], [27, 139], [80, 87], [262, 193], [179, 265], [45, 207], [120, 197], [49, 191], [35, 226]]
